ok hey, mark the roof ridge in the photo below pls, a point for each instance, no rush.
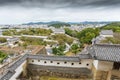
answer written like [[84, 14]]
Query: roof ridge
[[116, 45]]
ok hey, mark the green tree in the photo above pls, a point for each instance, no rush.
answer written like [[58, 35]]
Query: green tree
[[70, 32], [55, 50], [75, 48], [115, 26], [62, 39], [2, 40], [2, 56], [59, 51], [85, 36]]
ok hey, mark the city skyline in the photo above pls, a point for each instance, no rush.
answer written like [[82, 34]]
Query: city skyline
[[20, 11]]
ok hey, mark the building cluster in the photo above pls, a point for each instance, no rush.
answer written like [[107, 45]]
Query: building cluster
[[101, 62]]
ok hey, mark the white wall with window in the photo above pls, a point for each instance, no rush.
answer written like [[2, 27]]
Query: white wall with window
[[84, 63]]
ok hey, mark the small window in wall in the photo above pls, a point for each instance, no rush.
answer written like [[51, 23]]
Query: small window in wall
[[116, 65], [32, 60], [79, 62], [72, 63], [51, 61], [38, 60], [87, 64], [45, 62], [58, 63], [65, 62]]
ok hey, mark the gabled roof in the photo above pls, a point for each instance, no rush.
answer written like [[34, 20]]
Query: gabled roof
[[106, 32], [105, 52]]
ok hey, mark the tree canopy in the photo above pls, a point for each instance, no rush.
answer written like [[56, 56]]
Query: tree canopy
[[62, 38], [115, 26], [58, 25], [32, 41], [85, 36], [59, 51], [70, 32], [2, 40], [75, 48], [2, 56]]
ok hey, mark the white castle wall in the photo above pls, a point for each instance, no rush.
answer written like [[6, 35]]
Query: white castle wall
[[103, 65], [84, 63], [106, 35]]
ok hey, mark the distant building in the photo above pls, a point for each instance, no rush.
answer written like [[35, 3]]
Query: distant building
[[102, 36], [58, 30], [106, 33], [12, 42]]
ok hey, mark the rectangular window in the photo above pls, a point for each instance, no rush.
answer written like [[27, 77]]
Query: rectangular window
[[116, 65]]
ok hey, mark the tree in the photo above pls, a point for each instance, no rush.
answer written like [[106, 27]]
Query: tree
[[59, 51], [60, 24], [54, 50], [62, 39], [85, 36], [70, 32], [115, 26], [75, 48], [2, 56], [2, 40]]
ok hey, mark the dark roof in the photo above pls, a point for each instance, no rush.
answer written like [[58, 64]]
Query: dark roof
[[105, 52], [85, 56], [55, 58], [7, 76]]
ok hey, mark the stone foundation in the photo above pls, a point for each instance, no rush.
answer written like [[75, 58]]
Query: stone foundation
[[35, 72]]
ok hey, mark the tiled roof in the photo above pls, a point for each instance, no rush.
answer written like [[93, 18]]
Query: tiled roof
[[106, 52], [106, 32], [54, 58], [85, 56]]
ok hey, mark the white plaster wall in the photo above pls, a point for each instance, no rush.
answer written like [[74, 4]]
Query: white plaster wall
[[83, 64], [95, 63], [106, 35], [18, 71], [105, 65]]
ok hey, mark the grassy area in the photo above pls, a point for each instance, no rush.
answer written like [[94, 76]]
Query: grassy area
[[62, 38], [2, 56], [55, 78], [30, 31], [69, 53], [31, 41]]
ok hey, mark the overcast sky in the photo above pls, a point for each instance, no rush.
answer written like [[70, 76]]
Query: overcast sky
[[23, 11]]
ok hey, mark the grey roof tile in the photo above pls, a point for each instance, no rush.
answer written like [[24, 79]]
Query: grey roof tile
[[105, 52], [106, 32]]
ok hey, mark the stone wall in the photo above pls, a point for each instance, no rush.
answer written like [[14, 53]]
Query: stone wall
[[74, 73]]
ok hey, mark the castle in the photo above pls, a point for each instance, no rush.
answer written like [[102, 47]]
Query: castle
[[100, 62]]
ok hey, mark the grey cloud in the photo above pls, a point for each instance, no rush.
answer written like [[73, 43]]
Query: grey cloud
[[60, 3]]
